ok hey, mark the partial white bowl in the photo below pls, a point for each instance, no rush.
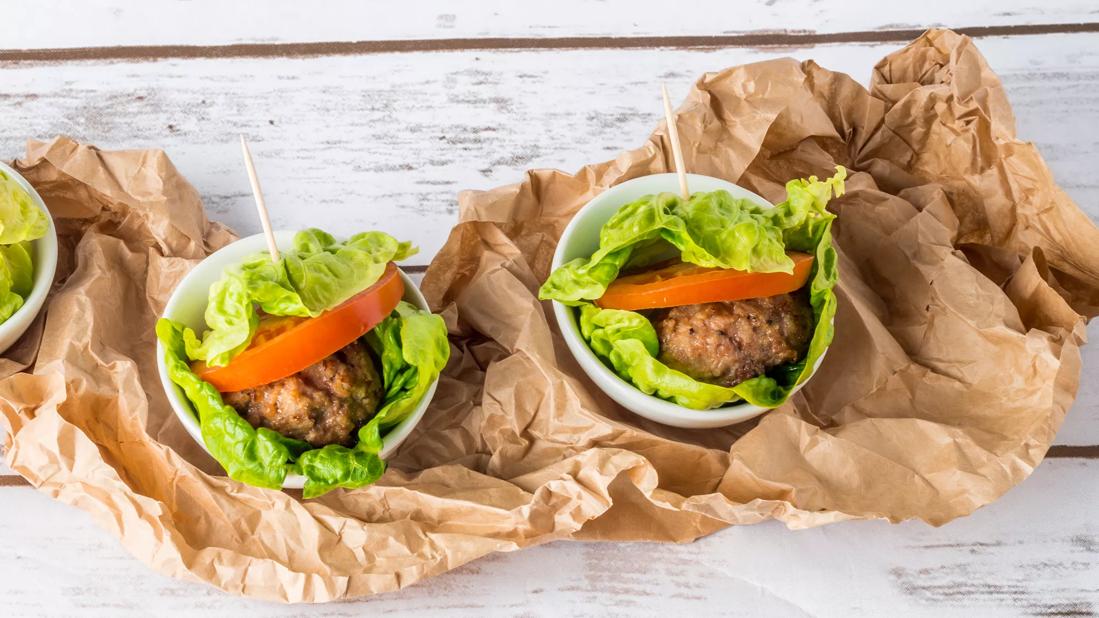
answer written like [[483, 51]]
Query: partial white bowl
[[44, 254], [581, 239], [188, 304]]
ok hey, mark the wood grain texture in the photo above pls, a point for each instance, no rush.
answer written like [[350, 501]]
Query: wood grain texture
[[1034, 552], [387, 141], [59, 24], [756, 40]]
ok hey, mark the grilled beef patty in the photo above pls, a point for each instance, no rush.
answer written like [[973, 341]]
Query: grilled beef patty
[[728, 342], [325, 403]]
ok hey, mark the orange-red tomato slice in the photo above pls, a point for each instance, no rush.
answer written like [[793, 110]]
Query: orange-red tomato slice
[[283, 346], [687, 284]]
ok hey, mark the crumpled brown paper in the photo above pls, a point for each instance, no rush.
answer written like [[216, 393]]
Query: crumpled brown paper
[[964, 274]]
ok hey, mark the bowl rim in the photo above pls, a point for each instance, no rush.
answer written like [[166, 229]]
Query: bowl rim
[[650, 406], [247, 245], [45, 265]]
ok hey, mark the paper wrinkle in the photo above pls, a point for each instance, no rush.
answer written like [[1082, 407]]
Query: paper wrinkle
[[966, 278]]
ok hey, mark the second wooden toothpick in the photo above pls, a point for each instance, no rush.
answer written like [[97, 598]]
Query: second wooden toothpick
[[673, 136], [261, 207]]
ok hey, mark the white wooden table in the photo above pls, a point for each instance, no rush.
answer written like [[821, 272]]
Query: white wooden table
[[361, 117]]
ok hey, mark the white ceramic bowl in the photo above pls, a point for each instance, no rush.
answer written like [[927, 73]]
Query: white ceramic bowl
[[581, 239], [44, 254], [188, 303]]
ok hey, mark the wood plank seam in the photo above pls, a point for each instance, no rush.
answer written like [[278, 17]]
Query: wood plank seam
[[1055, 452], [348, 48]]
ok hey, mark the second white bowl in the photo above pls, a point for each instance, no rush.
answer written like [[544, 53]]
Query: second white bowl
[[581, 239], [188, 304]]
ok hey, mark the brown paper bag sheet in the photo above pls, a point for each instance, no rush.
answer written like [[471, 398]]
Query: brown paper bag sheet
[[966, 274]]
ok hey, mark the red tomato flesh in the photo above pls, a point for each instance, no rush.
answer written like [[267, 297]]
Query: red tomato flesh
[[687, 284]]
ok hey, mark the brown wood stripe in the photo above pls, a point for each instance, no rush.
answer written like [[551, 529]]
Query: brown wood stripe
[[1055, 452], [344, 48], [1074, 452]]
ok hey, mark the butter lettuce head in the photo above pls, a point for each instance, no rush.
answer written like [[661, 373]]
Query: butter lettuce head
[[714, 230], [319, 273]]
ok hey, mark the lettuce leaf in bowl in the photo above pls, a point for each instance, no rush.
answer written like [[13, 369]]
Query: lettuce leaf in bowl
[[16, 277], [413, 348], [713, 230], [255, 456], [20, 218], [317, 274], [628, 341]]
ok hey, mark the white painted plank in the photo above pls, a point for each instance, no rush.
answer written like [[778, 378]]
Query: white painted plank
[[1035, 551], [386, 141], [60, 24]]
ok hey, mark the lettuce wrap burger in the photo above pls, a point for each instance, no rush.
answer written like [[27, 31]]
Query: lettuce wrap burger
[[712, 300], [307, 362]]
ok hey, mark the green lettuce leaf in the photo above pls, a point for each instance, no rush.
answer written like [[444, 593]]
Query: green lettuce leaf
[[255, 456], [317, 274], [20, 218], [336, 466], [16, 277], [20, 267], [752, 239], [412, 347], [628, 341]]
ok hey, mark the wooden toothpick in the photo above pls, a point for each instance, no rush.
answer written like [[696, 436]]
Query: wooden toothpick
[[677, 153], [261, 207]]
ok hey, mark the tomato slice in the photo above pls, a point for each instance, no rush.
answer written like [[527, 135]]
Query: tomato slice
[[687, 284], [283, 346]]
